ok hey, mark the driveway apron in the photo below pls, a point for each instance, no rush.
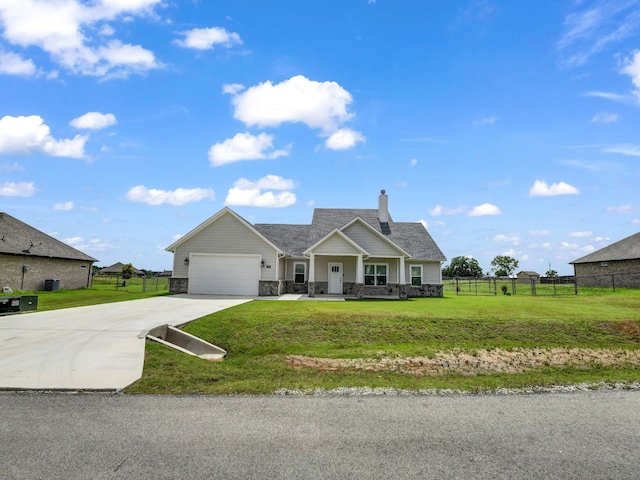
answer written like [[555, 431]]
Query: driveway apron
[[91, 348]]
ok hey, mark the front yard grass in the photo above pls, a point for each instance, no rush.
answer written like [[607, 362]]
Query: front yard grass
[[307, 345]]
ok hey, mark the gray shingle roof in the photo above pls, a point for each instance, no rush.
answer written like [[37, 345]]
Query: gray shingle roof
[[18, 238], [295, 239], [625, 249]]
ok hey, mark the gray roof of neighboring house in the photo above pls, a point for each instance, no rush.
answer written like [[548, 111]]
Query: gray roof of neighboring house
[[117, 268], [625, 249], [412, 237], [18, 238]]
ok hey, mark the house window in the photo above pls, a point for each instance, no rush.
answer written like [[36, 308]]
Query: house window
[[299, 270], [375, 274], [416, 275]]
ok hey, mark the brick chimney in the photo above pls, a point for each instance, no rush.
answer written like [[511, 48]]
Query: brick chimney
[[383, 207]]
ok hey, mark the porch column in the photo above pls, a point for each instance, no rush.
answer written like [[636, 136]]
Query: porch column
[[402, 287], [312, 268], [359, 277], [311, 283]]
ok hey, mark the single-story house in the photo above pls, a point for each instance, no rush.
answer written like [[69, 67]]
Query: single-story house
[[116, 269], [617, 264], [527, 277], [352, 252], [32, 260]]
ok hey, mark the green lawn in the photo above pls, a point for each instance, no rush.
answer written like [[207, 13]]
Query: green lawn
[[262, 336], [103, 290]]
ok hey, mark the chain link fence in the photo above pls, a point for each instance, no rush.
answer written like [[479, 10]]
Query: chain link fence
[[566, 285]]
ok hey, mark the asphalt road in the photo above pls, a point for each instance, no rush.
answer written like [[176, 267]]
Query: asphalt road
[[99, 436]]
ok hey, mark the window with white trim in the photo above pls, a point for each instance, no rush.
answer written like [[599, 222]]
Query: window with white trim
[[416, 275], [299, 272], [375, 274]]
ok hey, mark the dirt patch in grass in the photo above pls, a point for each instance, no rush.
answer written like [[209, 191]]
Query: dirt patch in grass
[[628, 328], [476, 363]]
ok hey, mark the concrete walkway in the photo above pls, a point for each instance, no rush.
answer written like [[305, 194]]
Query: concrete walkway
[[91, 348]]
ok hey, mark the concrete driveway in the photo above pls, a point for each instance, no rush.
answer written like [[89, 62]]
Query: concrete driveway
[[91, 348]]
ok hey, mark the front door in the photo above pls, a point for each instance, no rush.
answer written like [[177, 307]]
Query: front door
[[335, 278]]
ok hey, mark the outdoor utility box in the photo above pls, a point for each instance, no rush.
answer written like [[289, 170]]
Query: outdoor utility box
[[9, 305], [28, 303], [52, 285]]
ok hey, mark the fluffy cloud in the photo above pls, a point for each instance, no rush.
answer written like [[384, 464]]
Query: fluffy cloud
[[632, 68], [26, 135], [94, 121], [580, 234], [319, 105], [180, 196], [542, 189], [20, 189], [246, 193], [244, 146], [512, 238], [63, 206], [344, 139], [484, 210], [207, 38], [440, 210], [72, 32], [13, 64]]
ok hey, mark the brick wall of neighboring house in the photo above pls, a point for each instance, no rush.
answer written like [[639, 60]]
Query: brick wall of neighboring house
[[73, 274], [618, 273]]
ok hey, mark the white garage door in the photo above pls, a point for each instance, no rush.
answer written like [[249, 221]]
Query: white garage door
[[224, 274]]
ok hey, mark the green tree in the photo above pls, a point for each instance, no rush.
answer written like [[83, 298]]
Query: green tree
[[128, 271], [551, 273], [503, 265], [462, 267]]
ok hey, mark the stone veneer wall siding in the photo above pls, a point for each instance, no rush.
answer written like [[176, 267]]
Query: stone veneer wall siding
[[73, 274], [268, 288], [178, 285], [621, 273]]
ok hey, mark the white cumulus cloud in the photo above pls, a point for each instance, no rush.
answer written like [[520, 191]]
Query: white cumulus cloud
[[484, 210], [542, 189], [344, 139], [13, 64], [632, 68], [20, 189], [244, 146], [72, 33], [319, 105], [26, 135], [177, 197], [94, 121], [63, 206], [207, 38], [246, 193]]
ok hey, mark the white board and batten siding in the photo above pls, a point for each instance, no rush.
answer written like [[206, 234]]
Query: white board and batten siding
[[226, 249], [372, 243]]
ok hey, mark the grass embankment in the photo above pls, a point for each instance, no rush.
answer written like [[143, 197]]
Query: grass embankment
[[468, 343]]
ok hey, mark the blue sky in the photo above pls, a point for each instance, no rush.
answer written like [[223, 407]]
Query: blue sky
[[508, 128]]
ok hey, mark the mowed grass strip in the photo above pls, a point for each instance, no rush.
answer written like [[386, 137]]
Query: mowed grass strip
[[260, 336]]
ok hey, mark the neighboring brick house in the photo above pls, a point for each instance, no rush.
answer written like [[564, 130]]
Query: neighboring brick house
[[353, 252], [29, 257], [617, 265]]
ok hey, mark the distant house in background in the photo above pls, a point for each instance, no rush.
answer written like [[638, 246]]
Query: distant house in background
[[163, 274], [344, 251], [528, 276], [116, 269], [616, 265], [32, 260]]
